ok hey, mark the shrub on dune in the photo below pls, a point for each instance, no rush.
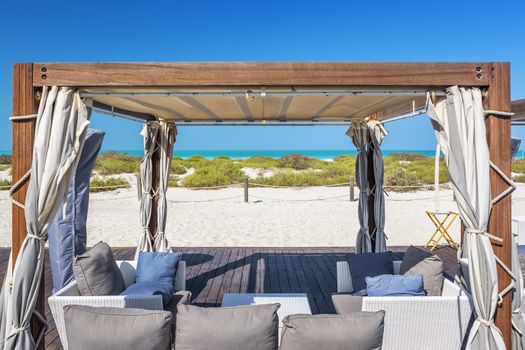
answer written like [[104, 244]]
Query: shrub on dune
[[401, 180], [99, 184], [5, 184], [216, 172], [117, 163], [261, 162]]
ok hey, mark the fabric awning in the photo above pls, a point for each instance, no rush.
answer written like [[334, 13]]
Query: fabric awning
[[256, 104]]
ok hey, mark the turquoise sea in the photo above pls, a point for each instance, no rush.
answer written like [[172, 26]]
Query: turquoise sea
[[239, 154]]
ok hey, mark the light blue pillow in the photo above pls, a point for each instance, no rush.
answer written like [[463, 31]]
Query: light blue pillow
[[157, 267], [395, 285], [151, 288]]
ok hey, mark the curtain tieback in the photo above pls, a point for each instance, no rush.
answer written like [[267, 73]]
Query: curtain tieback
[[476, 231], [41, 239], [15, 330], [486, 322]]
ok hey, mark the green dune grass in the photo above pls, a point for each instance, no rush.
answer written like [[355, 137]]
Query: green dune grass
[[402, 170]]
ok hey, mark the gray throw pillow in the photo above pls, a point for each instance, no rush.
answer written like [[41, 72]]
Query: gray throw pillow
[[419, 262], [108, 328], [355, 331], [97, 272], [369, 265], [253, 327]]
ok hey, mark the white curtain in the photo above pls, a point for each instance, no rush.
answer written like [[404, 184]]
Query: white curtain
[[149, 132], [360, 135], [459, 123], [61, 126], [167, 134], [377, 133]]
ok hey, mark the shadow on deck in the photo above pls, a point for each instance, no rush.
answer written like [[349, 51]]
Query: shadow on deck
[[211, 272]]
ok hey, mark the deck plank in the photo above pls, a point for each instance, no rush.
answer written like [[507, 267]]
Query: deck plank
[[211, 272]]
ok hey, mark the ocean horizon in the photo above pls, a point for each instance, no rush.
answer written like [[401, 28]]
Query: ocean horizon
[[241, 154]]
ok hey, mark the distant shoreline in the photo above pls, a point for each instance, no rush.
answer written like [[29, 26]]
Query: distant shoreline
[[243, 154]]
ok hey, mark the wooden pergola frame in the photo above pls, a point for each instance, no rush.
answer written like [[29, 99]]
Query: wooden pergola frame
[[493, 77]]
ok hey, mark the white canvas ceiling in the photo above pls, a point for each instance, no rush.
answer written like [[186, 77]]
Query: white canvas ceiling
[[256, 104]]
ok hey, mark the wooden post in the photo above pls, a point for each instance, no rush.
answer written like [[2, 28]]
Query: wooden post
[[351, 188], [23, 137], [246, 189], [155, 165], [498, 138]]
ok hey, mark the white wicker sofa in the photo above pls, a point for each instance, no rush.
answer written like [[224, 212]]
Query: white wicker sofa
[[69, 295], [411, 322]]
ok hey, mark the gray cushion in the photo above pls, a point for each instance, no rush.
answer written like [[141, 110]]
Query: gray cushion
[[253, 327], [369, 265], [356, 331], [419, 262], [179, 297], [97, 273], [347, 303], [110, 328]]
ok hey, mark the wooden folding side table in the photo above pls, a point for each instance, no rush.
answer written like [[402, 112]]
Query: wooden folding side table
[[442, 221]]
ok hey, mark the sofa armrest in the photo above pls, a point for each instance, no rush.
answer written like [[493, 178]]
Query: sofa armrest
[[440, 320], [344, 278], [180, 278]]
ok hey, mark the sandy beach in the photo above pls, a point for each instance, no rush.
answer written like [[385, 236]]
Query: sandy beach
[[284, 217]]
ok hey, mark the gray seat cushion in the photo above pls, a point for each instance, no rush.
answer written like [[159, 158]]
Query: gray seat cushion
[[419, 262], [97, 272], [253, 327], [110, 328], [356, 331], [347, 303], [179, 297]]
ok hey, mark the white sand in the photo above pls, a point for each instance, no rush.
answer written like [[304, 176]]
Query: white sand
[[316, 217]]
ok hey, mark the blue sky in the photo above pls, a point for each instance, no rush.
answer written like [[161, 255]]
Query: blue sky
[[260, 31]]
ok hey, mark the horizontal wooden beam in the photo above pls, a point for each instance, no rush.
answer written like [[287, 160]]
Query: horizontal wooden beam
[[518, 108], [194, 74]]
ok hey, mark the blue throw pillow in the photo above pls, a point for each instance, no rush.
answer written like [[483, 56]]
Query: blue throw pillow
[[369, 265], [157, 267], [151, 288], [395, 285]]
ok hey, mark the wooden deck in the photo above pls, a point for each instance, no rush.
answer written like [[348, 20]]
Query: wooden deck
[[215, 271]]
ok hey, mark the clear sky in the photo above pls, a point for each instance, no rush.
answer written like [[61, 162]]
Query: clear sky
[[448, 30]]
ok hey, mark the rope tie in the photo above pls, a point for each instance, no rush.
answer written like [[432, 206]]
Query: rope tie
[[23, 117], [16, 186], [475, 231], [500, 113], [41, 239], [486, 323], [15, 330]]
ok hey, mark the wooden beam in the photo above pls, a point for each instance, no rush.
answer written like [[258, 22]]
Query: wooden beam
[[498, 137], [23, 137], [518, 107], [191, 74]]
